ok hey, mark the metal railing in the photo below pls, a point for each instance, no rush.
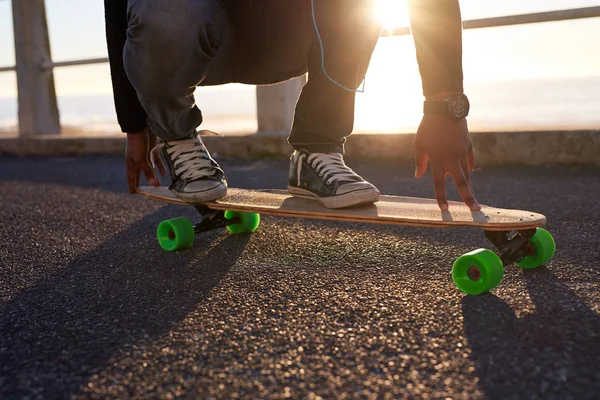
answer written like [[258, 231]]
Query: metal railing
[[493, 22], [519, 19]]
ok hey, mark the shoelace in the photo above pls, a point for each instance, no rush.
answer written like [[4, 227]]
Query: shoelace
[[331, 166], [190, 158]]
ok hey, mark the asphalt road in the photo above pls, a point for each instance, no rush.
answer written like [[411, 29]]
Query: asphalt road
[[92, 307]]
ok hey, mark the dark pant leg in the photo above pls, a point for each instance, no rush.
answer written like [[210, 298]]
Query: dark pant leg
[[268, 42], [325, 112], [170, 44]]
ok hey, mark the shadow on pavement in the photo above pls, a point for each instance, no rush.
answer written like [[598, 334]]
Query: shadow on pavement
[[58, 333], [508, 350]]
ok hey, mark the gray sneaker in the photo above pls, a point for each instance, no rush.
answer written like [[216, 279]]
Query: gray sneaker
[[195, 175], [326, 178]]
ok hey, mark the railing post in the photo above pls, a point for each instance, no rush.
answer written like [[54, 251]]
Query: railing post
[[275, 105], [38, 109]]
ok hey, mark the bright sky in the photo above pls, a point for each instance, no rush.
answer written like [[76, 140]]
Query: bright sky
[[550, 49]]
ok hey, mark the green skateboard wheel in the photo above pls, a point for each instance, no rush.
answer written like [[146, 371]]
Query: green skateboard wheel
[[477, 272], [541, 249], [175, 234], [248, 221]]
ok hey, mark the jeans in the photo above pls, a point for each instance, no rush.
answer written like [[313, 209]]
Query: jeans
[[173, 46]]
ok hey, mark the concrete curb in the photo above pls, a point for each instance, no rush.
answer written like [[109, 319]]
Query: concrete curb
[[499, 148]]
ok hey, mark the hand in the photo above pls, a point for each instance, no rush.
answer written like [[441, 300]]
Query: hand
[[137, 159], [446, 144]]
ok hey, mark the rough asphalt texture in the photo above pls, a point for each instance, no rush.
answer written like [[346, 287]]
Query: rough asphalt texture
[[92, 307]]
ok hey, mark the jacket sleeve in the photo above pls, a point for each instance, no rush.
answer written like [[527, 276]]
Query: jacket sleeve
[[437, 32], [130, 114]]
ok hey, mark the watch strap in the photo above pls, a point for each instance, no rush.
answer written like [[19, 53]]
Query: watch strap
[[435, 107], [454, 106]]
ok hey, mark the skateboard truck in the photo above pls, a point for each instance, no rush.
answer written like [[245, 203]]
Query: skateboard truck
[[212, 219], [512, 246]]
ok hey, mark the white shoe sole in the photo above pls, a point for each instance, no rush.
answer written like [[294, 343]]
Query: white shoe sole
[[204, 196], [350, 199]]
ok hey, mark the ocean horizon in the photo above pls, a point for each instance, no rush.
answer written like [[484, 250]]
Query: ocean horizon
[[528, 104]]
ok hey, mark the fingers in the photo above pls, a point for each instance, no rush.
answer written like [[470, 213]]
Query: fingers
[[159, 164], [146, 166], [138, 173], [150, 174], [467, 169], [439, 185], [463, 184], [133, 175], [471, 159], [467, 174], [161, 167], [420, 160]]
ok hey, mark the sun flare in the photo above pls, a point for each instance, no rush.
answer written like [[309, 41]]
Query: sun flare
[[393, 13]]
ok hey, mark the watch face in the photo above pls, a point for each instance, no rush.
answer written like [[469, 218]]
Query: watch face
[[458, 106]]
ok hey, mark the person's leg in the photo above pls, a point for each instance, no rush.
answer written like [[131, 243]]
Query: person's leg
[[324, 114], [267, 43], [325, 111], [169, 47]]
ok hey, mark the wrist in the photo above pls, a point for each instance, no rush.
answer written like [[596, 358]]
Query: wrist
[[137, 133], [455, 106]]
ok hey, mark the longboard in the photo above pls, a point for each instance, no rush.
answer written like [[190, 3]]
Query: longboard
[[396, 210], [515, 233]]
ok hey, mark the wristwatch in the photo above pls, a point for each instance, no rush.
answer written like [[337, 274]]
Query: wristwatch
[[455, 106]]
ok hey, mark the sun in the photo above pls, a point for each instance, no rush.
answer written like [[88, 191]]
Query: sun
[[393, 13]]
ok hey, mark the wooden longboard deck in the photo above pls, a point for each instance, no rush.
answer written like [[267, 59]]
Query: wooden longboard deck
[[394, 210]]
